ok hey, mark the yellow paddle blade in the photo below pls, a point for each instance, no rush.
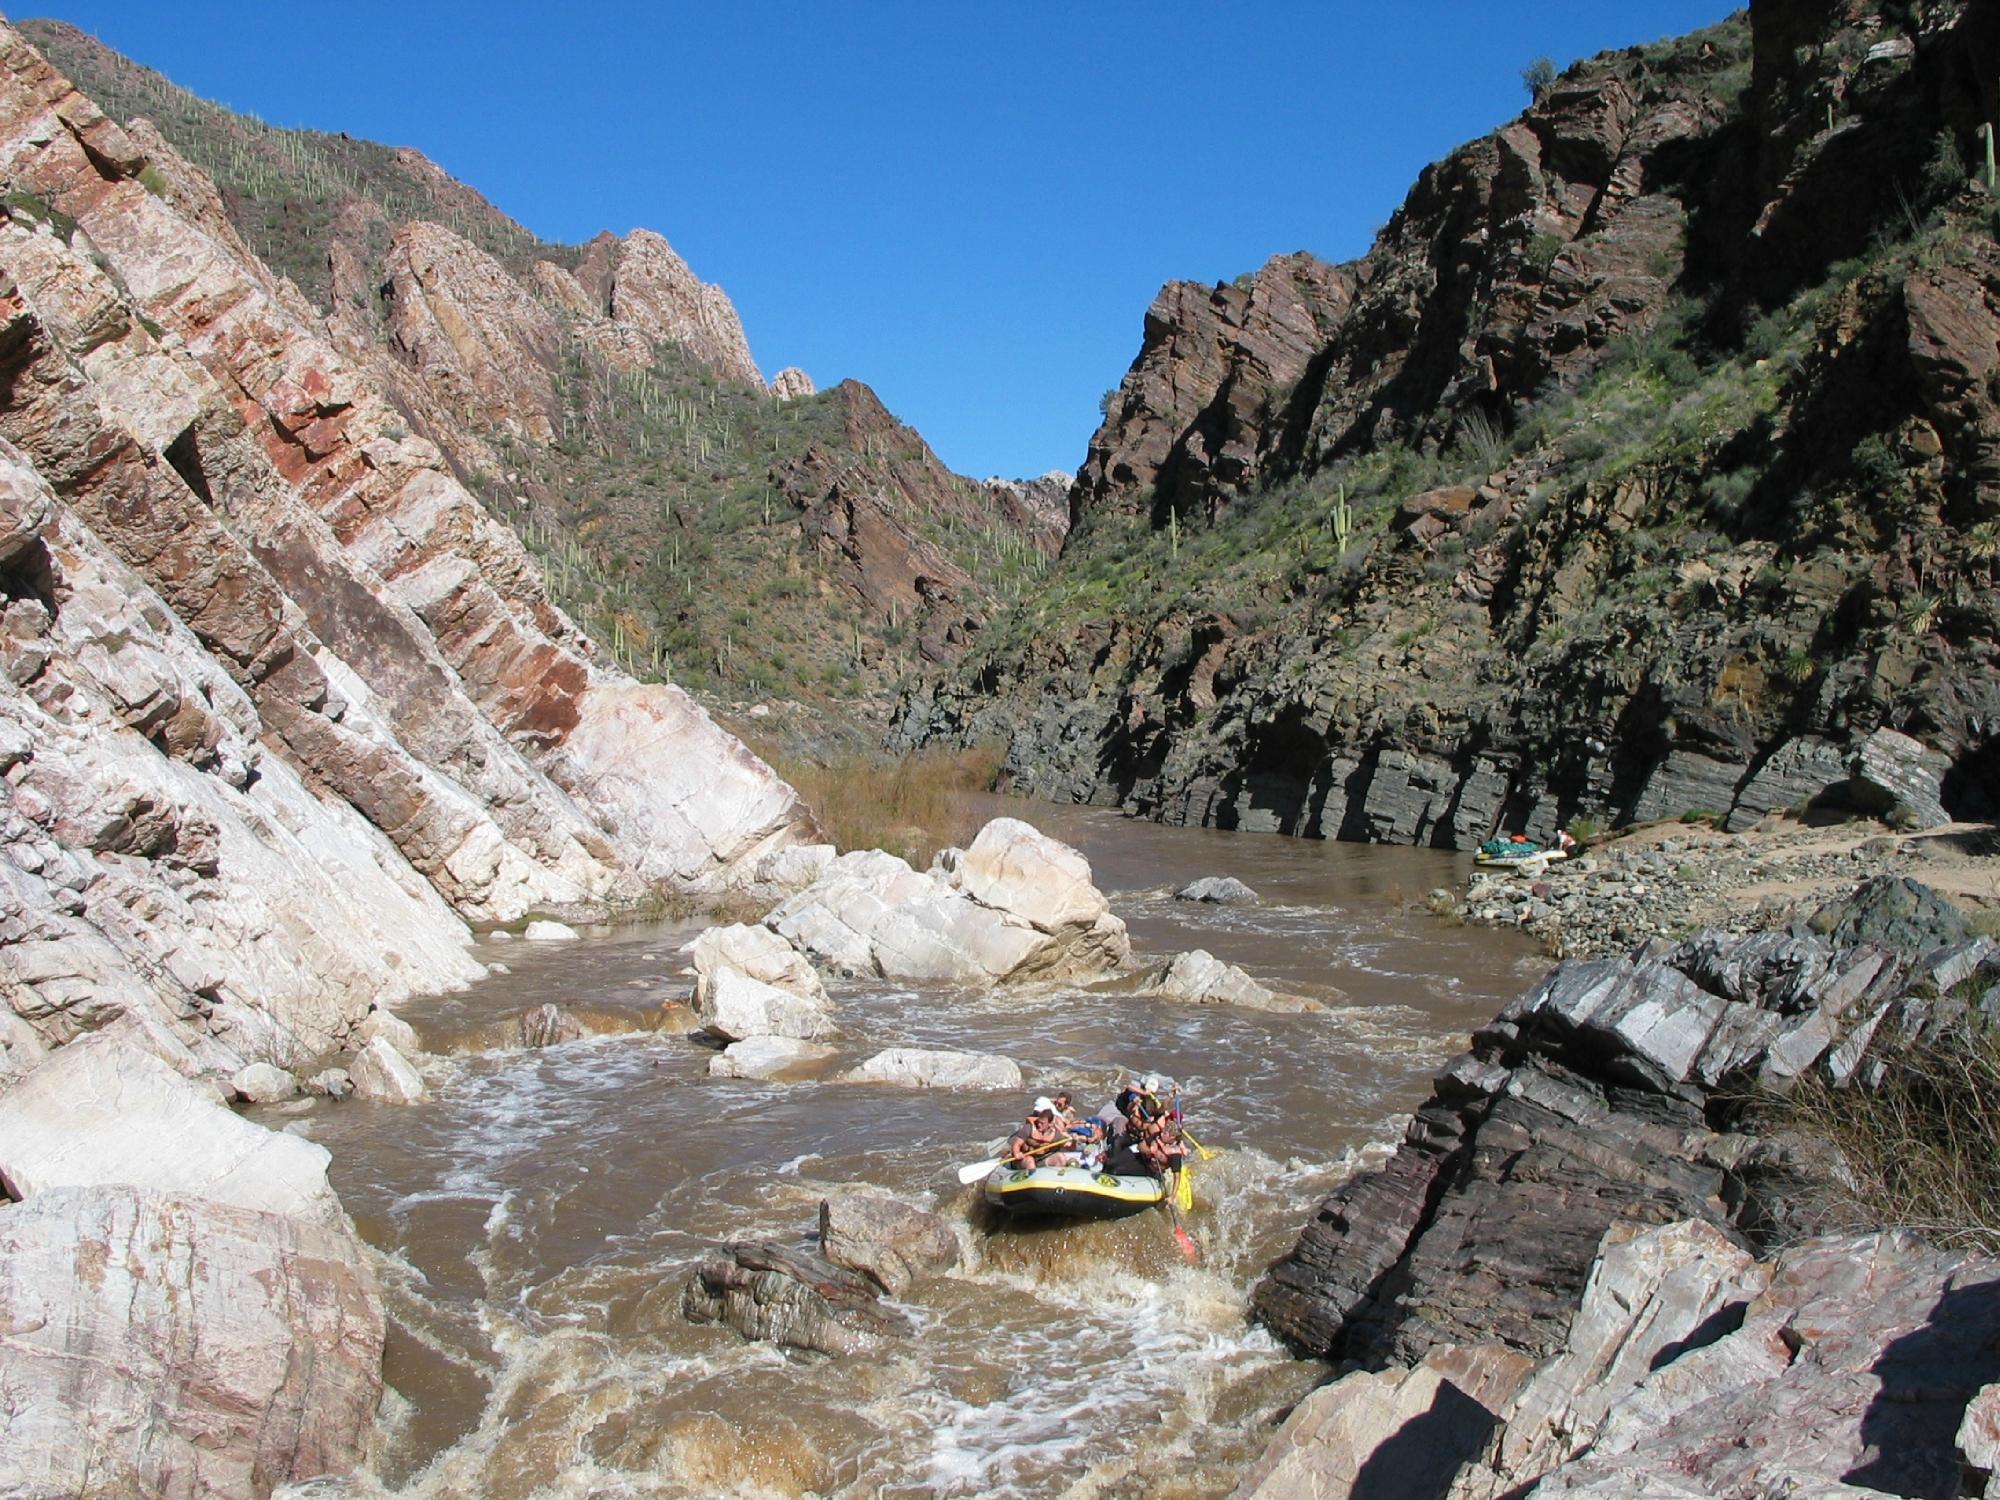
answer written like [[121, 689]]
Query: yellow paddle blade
[[1184, 1189]]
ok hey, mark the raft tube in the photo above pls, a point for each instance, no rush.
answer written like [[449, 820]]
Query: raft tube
[[1072, 1192]]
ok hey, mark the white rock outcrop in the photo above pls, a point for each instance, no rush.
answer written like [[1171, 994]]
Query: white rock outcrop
[[736, 1007], [759, 954], [180, 1347], [1015, 905], [106, 1111], [769, 1059], [927, 1068]]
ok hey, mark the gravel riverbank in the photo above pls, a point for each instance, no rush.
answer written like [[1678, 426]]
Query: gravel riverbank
[[1664, 880]]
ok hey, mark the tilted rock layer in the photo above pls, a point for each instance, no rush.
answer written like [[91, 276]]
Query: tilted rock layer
[[287, 706], [283, 710], [1575, 1210]]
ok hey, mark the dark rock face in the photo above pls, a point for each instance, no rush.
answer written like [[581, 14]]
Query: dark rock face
[[1745, 616], [1601, 1097]]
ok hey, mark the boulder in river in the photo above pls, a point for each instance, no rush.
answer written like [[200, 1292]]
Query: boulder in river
[[105, 1110], [790, 1297], [928, 1068], [1015, 905], [1218, 890], [1199, 976], [735, 1007], [769, 1059], [331, 1083], [756, 952], [181, 1347], [260, 1083], [381, 1072], [391, 1027], [545, 931], [893, 1243], [549, 1025]]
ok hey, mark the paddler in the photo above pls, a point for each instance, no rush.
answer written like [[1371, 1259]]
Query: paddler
[[1035, 1142]]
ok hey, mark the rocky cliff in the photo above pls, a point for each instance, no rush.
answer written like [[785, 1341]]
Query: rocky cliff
[[1642, 466], [602, 400], [1559, 1266], [284, 711]]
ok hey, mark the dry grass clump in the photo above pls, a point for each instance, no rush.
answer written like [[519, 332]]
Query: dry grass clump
[[1921, 1149], [911, 806]]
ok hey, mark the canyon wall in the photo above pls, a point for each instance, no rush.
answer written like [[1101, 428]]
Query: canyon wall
[[1643, 466]]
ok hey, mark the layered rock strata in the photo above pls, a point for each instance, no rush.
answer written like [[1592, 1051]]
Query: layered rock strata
[[233, 579], [283, 710], [1515, 1231]]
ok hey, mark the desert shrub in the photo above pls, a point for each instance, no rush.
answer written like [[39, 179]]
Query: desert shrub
[[1920, 1148], [1539, 76], [911, 806]]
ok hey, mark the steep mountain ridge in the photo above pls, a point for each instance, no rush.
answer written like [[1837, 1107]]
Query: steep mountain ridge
[[1643, 466], [604, 401]]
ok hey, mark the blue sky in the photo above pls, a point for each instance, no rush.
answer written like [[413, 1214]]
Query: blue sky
[[969, 206]]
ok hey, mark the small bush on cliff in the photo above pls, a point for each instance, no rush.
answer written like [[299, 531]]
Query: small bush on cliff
[[1539, 77], [1921, 1149]]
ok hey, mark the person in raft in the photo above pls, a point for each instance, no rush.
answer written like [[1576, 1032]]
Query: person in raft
[[1034, 1143]]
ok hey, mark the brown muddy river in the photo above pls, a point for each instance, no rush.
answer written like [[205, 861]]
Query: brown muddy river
[[539, 1215]]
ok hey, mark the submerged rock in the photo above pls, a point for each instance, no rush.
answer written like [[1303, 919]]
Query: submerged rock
[[769, 1059], [892, 1243], [924, 1068], [181, 1347], [548, 1026], [790, 1297], [1219, 890]]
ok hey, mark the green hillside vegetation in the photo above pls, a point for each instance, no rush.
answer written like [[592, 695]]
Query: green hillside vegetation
[[676, 546], [284, 187]]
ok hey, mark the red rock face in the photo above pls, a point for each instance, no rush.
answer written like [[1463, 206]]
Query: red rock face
[[1188, 420], [867, 517], [1513, 263], [471, 332]]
